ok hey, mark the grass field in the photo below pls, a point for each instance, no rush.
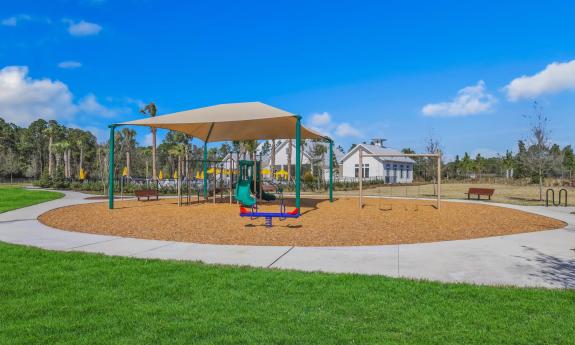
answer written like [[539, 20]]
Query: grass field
[[504, 193], [73, 298], [13, 197]]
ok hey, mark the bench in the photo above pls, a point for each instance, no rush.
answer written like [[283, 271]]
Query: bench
[[146, 193], [480, 191]]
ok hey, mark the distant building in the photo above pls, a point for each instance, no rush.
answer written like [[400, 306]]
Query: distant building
[[388, 169], [281, 158]]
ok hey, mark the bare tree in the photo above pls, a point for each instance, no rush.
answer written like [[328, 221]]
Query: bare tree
[[432, 145], [537, 160]]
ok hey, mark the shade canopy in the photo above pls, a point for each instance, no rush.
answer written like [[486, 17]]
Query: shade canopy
[[234, 121]]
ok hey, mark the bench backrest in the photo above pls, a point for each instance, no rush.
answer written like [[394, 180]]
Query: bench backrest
[[481, 191], [146, 192]]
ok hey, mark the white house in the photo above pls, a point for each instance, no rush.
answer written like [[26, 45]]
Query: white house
[[281, 157], [389, 169]]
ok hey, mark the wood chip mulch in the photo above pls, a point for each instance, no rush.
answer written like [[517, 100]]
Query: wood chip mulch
[[341, 223]]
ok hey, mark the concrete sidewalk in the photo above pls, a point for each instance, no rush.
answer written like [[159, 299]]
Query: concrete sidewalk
[[539, 259]]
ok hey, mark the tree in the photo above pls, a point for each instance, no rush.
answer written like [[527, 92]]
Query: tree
[[466, 164], [151, 110], [51, 131], [479, 164], [569, 160], [537, 160], [432, 145], [318, 152], [508, 164], [273, 156]]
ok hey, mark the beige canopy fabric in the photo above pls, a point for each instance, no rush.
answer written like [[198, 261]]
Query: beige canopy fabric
[[234, 121]]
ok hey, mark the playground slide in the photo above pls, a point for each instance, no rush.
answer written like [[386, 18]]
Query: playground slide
[[243, 194]]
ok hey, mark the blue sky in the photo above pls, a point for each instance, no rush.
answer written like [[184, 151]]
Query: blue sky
[[356, 70]]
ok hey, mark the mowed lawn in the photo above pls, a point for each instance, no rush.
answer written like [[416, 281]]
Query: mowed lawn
[[504, 193], [13, 197], [76, 298]]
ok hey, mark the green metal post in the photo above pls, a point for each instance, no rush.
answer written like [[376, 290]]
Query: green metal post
[[331, 170], [205, 169], [111, 169], [297, 162]]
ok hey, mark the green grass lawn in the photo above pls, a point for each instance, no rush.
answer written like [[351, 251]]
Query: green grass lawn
[[52, 297], [12, 197]]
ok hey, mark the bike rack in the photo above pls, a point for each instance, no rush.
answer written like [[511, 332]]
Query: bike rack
[[561, 191]]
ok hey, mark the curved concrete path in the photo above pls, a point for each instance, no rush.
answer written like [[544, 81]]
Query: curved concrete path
[[539, 259]]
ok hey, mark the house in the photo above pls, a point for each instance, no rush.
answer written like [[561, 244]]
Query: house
[[282, 153], [388, 169]]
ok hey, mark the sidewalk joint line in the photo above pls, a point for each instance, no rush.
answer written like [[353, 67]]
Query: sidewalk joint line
[[281, 256], [89, 244], [151, 249]]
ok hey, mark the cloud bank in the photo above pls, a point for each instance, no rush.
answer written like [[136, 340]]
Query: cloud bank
[[470, 100], [24, 99], [556, 77]]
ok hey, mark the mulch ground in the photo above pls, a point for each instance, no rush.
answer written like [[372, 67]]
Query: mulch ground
[[341, 223]]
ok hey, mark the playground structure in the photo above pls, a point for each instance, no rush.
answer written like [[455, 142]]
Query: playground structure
[[250, 187], [230, 122], [561, 191], [436, 155]]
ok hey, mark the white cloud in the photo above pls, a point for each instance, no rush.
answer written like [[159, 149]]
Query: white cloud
[[323, 123], [346, 130], [470, 100], [69, 64], [554, 78], [24, 99], [90, 105], [15, 20], [82, 28], [320, 119]]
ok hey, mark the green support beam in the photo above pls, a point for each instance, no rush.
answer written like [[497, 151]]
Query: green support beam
[[297, 162], [205, 166], [206, 161], [331, 170], [111, 169]]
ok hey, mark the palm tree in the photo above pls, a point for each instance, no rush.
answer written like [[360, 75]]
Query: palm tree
[[151, 110], [273, 156], [52, 130], [251, 146], [127, 144]]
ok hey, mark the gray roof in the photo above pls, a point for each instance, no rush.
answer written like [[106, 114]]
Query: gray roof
[[378, 150]]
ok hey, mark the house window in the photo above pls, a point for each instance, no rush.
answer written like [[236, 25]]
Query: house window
[[395, 170], [401, 171], [387, 167], [365, 170]]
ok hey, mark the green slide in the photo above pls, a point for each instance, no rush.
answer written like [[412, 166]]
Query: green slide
[[243, 194]]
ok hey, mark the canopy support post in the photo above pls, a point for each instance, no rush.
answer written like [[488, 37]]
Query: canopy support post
[[206, 161], [330, 170], [205, 169], [297, 162], [111, 168]]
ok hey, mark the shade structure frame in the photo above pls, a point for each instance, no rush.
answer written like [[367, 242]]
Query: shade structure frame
[[231, 122]]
